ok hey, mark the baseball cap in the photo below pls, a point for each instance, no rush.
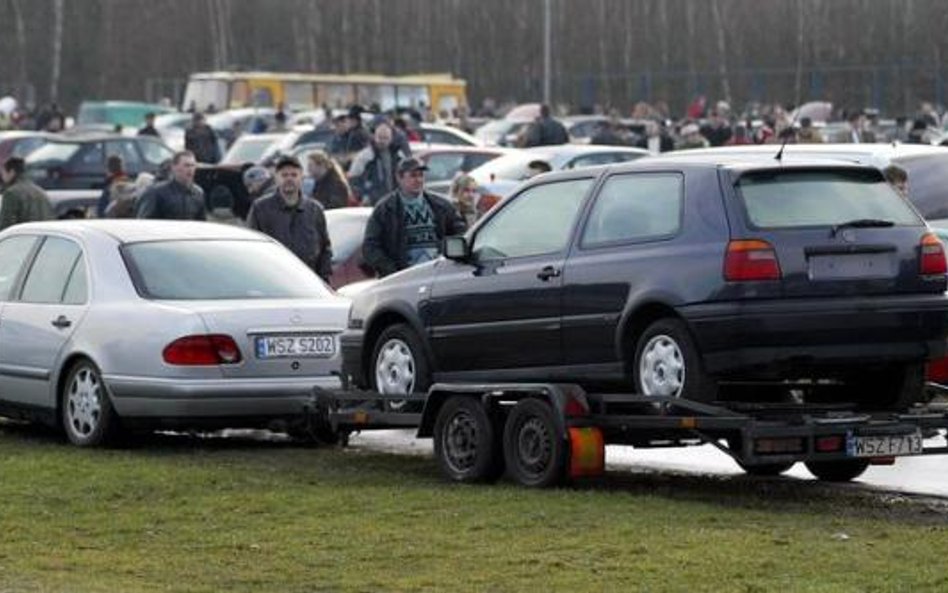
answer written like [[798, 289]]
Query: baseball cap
[[288, 161], [410, 164], [256, 174]]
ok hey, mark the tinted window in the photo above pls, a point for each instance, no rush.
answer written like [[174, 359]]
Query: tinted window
[[635, 207], [13, 254], [54, 153], [126, 150], [77, 288], [91, 158], [155, 153], [207, 270], [46, 282], [26, 146], [820, 198], [537, 221]]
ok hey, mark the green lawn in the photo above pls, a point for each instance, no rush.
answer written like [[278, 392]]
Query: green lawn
[[181, 514]]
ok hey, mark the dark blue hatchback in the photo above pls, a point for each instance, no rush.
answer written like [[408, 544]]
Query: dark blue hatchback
[[702, 278]]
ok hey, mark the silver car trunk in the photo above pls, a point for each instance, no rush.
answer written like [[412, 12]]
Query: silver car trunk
[[278, 338]]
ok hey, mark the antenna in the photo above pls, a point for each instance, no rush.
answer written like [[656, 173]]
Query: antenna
[[786, 137]]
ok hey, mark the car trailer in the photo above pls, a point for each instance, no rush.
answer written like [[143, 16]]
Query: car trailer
[[543, 434]]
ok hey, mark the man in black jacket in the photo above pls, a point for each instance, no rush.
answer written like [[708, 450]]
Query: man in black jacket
[[546, 131], [179, 198], [293, 219], [407, 226]]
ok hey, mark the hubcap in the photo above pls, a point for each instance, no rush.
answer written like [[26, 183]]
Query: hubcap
[[534, 446], [662, 368], [395, 371], [83, 403], [460, 442]]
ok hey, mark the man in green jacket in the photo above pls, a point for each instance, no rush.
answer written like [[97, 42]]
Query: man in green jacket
[[23, 200]]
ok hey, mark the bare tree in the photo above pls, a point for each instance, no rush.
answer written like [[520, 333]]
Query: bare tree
[[58, 9]]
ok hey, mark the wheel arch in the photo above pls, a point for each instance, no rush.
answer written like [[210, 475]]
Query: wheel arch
[[391, 315], [633, 323], [59, 381]]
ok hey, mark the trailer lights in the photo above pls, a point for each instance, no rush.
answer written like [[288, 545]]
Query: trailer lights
[[830, 444], [587, 452], [775, 446]]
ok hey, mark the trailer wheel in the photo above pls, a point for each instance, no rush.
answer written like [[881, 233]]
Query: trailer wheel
[[465, 442], [667, 364], [765, 469], [534, 450], [837, 471]]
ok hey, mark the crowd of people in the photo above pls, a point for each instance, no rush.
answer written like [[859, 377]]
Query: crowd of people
[[372, 165]]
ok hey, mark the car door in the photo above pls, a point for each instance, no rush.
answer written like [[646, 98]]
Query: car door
[[15, 252], [501, 309], [623, 252], [51, 302]]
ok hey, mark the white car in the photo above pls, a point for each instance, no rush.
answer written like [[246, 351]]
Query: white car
[[114, 322]]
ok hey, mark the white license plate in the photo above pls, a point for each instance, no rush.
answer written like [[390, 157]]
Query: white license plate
[[298, 346], [884, 446], [853, 266]]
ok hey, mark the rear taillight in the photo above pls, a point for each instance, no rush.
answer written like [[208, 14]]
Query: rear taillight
[[933, 256], [206, 350], [750, 260]]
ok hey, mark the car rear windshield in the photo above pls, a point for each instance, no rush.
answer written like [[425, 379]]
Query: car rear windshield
[[789, 199], [219, 269]]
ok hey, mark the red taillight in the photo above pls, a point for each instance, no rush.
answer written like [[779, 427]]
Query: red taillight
[[933, 256], [212, 349], [750, 260]]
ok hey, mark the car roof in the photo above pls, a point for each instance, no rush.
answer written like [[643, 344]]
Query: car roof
[[422, 149], [94, 136], [739, 163], [878, 154], [135, 230]]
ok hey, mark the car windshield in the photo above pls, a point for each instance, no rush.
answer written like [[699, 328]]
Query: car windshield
[[345, 233], [219, 269], [787, 199], [53, 153], [247, 150]]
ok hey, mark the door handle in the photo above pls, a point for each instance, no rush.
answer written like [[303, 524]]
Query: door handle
[[547, 273], [61, 322]]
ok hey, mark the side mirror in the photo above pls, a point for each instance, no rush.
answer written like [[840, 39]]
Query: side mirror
[[456, 248]]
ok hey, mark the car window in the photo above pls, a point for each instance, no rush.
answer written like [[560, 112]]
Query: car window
[[77, 291], [601, 158], [928, 178], [442, 167], [13, 254], [635, 208], [155, 153], [475, 160], [126, 150], [26, 146], [46, 281], [91, 158], [219, 269], [820, 198], [537, 221]]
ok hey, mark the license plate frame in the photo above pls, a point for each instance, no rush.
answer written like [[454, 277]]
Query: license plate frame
[[308, 345], [852, 266], [888, 445]]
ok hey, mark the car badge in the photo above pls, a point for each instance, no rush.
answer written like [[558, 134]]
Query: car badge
[[296, 319], [849, 235]]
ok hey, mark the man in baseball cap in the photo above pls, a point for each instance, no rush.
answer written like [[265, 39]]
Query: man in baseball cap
[[408, 225]]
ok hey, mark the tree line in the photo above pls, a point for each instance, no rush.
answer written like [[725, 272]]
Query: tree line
[[606, 53]]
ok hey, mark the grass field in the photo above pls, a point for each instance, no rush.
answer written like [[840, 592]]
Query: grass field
[[185, 514]]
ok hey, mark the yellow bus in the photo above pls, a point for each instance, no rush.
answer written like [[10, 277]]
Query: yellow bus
[[296, 91]]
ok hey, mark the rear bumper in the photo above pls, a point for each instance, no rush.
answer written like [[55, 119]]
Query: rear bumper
[[819, 332], [150, 397]]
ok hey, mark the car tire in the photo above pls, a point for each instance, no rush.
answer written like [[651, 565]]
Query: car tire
[[893, 388], [765, 469], [534, 452], [465, 442], [88, 417], [399, 366], [667, 363], [842, 470]]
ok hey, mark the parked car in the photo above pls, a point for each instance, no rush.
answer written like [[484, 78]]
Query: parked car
[[706, 279], [501, 132], [119, 323], [346, 231], [79, 162], [446, 162], [129, 114], [445, 135], [501, 176], [22, 142], [171, 127], [249, 148]]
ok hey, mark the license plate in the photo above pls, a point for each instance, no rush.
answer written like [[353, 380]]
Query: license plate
[[298, 346], [852, 266], [884, 446]]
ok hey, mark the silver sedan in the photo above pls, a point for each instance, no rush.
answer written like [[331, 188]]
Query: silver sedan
[[110, 322]]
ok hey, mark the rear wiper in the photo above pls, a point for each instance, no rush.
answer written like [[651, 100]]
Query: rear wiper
[[861, 223]]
